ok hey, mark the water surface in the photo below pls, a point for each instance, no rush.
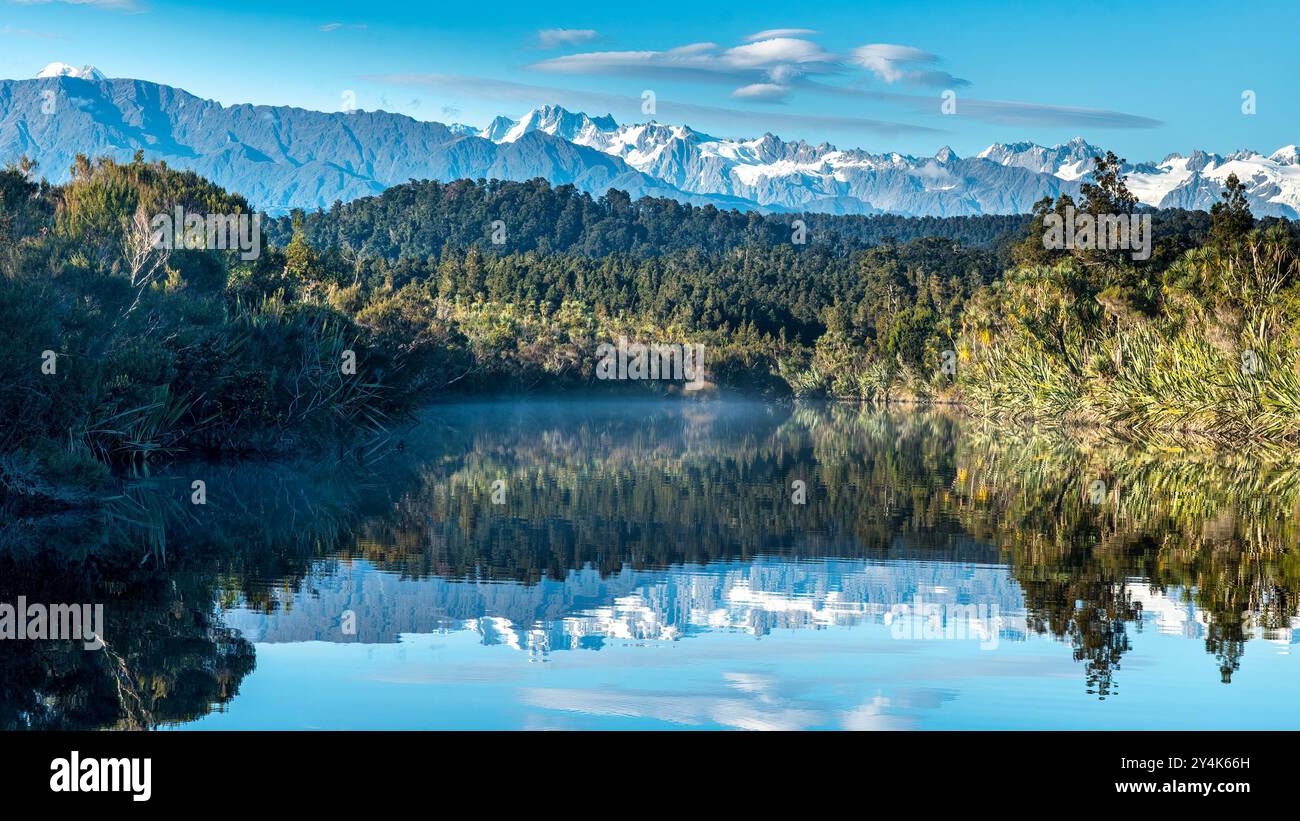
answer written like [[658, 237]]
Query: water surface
[[672, 565]]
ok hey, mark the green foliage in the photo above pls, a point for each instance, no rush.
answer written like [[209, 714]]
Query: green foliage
[[420, 219], [900, 302], [155, 352], [1204, 347], [120, 352]]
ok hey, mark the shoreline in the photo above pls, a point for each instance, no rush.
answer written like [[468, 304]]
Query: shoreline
[[73, 499]]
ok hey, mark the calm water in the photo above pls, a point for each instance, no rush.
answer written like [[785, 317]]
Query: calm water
[[673, 565]]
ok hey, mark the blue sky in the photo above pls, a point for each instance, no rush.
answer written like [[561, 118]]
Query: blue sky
[[1163, 77]]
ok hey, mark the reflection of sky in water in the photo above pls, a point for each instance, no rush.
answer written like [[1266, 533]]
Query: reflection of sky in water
[[765, 644]]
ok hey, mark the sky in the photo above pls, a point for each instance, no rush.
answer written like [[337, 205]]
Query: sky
[[1143, 79]]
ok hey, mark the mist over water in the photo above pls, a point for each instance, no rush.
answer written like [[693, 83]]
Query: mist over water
[[671, 564]]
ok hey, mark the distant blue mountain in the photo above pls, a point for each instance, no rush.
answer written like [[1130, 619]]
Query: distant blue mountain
[[281, 157]]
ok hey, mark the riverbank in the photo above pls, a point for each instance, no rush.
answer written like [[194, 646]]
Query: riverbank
[[123, 354]]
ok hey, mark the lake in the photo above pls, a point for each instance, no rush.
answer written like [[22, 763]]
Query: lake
[[647, 564]]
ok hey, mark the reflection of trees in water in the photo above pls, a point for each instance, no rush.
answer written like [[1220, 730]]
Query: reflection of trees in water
[[1217, 528], [168, 659], [163, 569], [663, 487], [667, 483]]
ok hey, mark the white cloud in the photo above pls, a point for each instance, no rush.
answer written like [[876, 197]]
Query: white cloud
[[708, 58], [1001, 112], [555, 38], [741, 120], [893, 63], [885, 60], [743, 712], [775, 65], [130, 6], [685, 60], [11, 31], [775, 52], [768, 34], [762, 92], [691, 49], [763, 70]]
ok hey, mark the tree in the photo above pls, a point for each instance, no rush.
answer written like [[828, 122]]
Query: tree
[[1231, 220], [1110, 194], [1031, 251], [299, 258], [144, 258]]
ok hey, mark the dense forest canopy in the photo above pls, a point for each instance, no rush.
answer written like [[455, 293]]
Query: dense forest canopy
[[423, 219], [122, 351], [420, 219]]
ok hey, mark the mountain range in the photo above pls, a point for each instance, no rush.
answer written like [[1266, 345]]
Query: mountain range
[[282, 158]]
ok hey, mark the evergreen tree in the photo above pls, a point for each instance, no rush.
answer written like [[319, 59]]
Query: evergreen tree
[[1231, 220]]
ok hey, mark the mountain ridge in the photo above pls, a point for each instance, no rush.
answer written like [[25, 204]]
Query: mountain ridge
[[755, 167], [282, 157]]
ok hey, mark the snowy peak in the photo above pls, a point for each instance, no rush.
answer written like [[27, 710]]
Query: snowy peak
[[1193, 181], [57, 69], [559, 122], [773, 173], [759, 171], [1003, 178], [1286, 155], [498, 129], [1199, 161], [1068, 161]]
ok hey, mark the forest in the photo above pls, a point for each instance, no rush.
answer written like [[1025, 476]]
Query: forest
[[121, 353]]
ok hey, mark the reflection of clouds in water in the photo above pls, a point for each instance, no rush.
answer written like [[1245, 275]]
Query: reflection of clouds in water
[[755, 683], [547, 723], [756, 704], [742, 712], [872, 715]]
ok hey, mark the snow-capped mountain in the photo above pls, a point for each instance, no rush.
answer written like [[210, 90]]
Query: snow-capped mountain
[[587, 607], [551, 119], [57, 69], [498, 129], [283, 158], [1003, 178], [1286, 155], [1068, 162], [1194, 181], [775, 174]]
